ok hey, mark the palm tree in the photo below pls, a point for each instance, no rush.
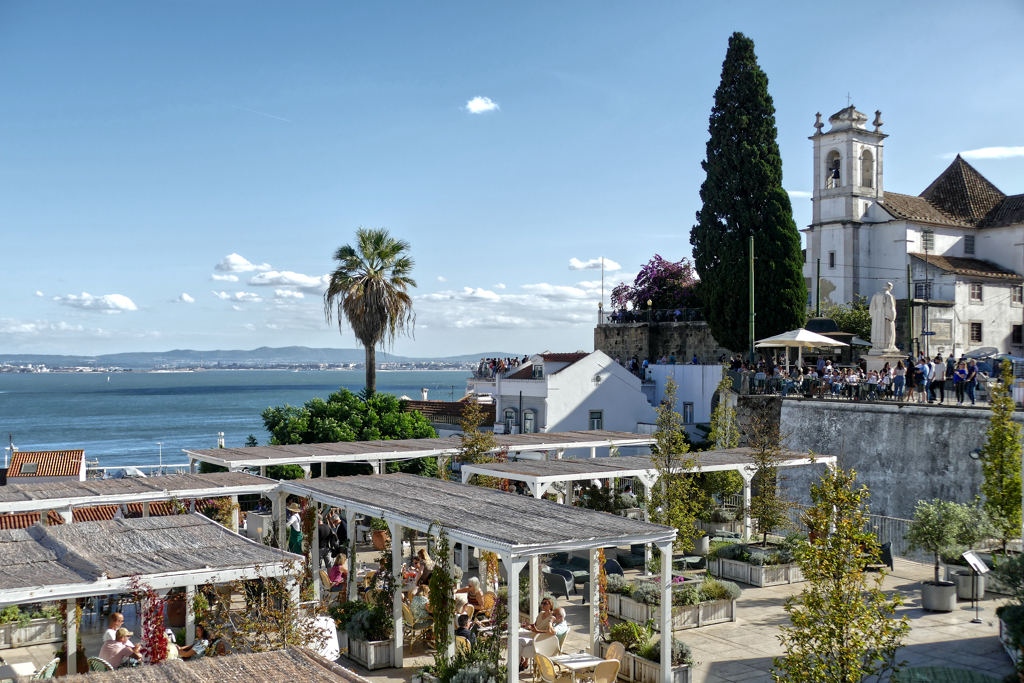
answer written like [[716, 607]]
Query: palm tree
[[370, 290]]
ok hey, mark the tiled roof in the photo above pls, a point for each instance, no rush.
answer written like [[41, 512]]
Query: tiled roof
[[23, 520], [49, 463], [100, 513], [446, 409], [525, 372], [919, 209], [564, 357], [1009, 212], [968, 266]]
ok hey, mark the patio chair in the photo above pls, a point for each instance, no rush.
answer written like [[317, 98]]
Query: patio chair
[[47, 671], [325, 585], [97, 664], [615, 651], [586, 592], [415, 630], [462, 645], [561, 640], [544, 671], [556, 584], [568, 575], [613, 567], [607, 671]]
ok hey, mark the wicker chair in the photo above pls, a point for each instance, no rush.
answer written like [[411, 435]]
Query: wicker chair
[[415, 630], [606, 672], [97, 664], [47, 671], [462, 645], [325, 589]]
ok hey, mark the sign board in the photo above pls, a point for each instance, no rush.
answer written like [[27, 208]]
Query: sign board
[[975, 562], [927, 334], [943, 329]]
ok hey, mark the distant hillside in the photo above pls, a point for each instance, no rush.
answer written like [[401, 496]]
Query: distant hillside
[[264, 354]]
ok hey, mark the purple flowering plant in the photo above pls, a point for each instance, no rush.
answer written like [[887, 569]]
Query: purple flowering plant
[[668, 284]]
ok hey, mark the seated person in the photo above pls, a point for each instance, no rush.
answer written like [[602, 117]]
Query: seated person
[[543, 624], [627, 497], [118, 651], [420, 604], [463, 629], [198, 647], [338, 575], [172, 644], [474, 595], [558, 622], [116, 622]]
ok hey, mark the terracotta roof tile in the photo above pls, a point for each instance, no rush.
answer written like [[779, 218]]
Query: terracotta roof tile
[[23, 520], [963, 192], [48, 464], [100, 513], [919, 209], [968, 266]]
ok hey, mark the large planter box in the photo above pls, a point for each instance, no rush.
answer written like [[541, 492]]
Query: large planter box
[[755, 575], [631, 610], [343, 641], [711, 528], [613, 604], [683, 616], [634, 669], [38, 632], [1004, 638], [376, 654]]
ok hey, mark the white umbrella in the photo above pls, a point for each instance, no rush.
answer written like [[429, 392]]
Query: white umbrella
[[800, 338]]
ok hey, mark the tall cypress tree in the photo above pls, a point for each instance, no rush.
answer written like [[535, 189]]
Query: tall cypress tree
[[743, 196]]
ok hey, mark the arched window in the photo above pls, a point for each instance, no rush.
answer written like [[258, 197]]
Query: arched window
[[867, 169], [510, 419], [529, 422], [832, 164]]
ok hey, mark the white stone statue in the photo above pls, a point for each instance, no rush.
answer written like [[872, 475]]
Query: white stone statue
[[883, 321]]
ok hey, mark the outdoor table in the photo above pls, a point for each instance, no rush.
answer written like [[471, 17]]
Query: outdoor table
[[9, 672], [578, 662]]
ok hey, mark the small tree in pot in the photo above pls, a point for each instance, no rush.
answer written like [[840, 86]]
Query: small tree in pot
[[938, 526]]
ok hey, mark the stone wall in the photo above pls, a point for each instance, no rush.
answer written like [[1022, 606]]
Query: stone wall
[[747, 406], [902, 453], [654, 340]]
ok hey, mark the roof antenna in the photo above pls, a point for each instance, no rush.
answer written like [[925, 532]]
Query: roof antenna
[[847, 99]]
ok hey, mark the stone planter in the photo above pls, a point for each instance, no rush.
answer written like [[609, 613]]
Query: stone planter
[[966, 582], [374, 654], [38, 632], [761, 576], [613, 604], [938, 597], [633, 669]]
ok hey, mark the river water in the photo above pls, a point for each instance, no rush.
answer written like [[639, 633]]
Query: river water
[[119, 418]]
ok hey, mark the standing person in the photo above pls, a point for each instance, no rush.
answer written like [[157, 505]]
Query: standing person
[[911, 374], [939, 379], [960, 382], [971, 379], [694, 361], [294, 527]]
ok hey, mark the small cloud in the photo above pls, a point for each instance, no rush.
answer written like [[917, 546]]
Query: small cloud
[[481, 105], [233, 263], [593, 264], [185, 299], [589, 284], [224, 278], [990, 153], [798, 193], [287, 278], [499, 286], [441, 278], [108, 303], [244, 297], [288, 294], [38, 293], [237, 308]]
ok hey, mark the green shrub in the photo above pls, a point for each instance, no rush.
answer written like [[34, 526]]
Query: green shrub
[[716, 589], [792, 542], [714, 547], [647, 592], [1013, 615], [732, 551], [1010, 571], [616, 584], [758, 558], [689, 594], [723, 515], [342, 612], [681, 653], [633, 637]]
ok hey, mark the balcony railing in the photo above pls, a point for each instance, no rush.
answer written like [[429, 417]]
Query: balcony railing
[[674, 315]]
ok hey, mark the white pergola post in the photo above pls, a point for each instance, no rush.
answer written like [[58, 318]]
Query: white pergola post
[[145, 509], [350, 520], [314, 552], [593, 451], [595, 601], [191, 465], [280, 516], [648, 481], [235, 514], [307, 471], [190, 615], [747, 476], [666, 611], [72, 642], [68, 515], [263, 470], [513, 565], [464, 558], [534, 588], [396, 572], [293, 589]]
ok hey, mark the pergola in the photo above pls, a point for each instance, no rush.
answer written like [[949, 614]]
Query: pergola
[[377, 452], [517, 528], [540, 475], [70, 561], [65, 496]]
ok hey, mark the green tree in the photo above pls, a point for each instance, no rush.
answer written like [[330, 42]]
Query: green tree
[[369, 289], [724, 430], [743, 197], [1000, 460], [346, 416], [251, 442], [853, 317], [843, 628], [937, 527], [768, 507], [477, 446], [676, 500]]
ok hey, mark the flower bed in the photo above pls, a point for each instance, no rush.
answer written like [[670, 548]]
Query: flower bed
[[37, 632], [694, 603], [754, 566], [636, 669]]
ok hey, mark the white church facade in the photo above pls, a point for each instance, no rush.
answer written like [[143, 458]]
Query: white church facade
[[957, 249]]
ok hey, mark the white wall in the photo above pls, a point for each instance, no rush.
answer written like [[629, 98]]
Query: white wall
[[572, 394], [697, 384]]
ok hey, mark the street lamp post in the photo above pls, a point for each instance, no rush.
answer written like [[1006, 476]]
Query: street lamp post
[[649, 304]]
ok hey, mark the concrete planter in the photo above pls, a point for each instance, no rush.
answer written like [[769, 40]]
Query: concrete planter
[[613, 604], [1004, 637], [633, 669], [966, 583], [938, 597], [376, 654], [38, 632], [761, 576], [683, 616]]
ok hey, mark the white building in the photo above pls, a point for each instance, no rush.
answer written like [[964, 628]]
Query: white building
[[35, 467], [695, 390], [962, 241]]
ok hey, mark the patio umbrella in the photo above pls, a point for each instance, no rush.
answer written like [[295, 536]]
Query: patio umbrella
[[800, 338]]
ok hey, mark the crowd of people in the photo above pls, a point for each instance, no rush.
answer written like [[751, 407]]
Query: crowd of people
[[118, 650], [490, 367]]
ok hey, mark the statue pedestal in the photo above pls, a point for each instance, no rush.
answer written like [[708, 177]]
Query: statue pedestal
[[878, 361]]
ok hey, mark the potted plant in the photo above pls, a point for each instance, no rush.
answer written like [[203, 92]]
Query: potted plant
[[380, 534], [977, 528], [936, 528]]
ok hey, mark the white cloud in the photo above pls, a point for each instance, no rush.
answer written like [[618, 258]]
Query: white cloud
[[38, 293], [441, 278], [589, 284], [31, 333], [499, 286], [224, 278], [288, 294], [185, 299], [233, 263], [237, 308], [481, 105], [244, 297], [798, 193], [592, 264], [989, 153], [287, 278], [108, 303]]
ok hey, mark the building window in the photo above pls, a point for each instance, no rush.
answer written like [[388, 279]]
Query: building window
[[596, 420], [922, 290], [529, 422], [928, 241], [975, 333], [538, 371], [832, 164], [831, 259], [867, 169], [976, 292], [688, 413], [1018, 334], [968, 245], [29, 468], [1018, 295], [510, 419]]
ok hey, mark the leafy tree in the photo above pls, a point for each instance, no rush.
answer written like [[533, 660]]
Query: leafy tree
[[1000, 460], [251, 442], [676, 502], [477, 446], [768, 507], [369, 289], [743, 197], [345, 416], [843, 628], [724, 432], [938, 525], [666, 284], [853, 317]]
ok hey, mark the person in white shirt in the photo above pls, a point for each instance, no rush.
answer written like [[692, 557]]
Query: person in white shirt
[[116, 622], [294, 526]]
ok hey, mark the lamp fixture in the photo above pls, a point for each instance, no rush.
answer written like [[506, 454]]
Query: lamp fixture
[[975, 454]]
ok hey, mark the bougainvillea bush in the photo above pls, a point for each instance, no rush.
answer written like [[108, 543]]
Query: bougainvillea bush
[[665, 283]]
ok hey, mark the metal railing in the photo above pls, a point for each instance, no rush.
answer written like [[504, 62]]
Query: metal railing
[[148, 470], [746, 383], [673, 315]]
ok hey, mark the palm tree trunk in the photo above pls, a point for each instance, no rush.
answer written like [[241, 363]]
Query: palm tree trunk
[[371, 370]]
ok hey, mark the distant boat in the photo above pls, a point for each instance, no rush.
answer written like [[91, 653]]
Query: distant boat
[[108, 378]]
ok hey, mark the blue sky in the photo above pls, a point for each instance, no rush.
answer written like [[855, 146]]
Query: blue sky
[[144, 144]]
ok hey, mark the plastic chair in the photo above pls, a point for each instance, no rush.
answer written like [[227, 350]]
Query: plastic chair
[[556, 584], [561, 639], [607, 671], [613, 567], [97, 664], [544, 671], [615, 651]]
